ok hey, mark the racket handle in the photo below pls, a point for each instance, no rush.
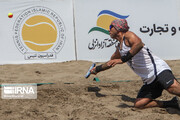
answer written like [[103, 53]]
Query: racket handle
[[89, 73]]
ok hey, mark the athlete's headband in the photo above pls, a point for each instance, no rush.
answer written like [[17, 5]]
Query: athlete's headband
[[120, 25]]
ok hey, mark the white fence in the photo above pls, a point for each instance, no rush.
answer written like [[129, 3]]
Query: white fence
[[43, 31]]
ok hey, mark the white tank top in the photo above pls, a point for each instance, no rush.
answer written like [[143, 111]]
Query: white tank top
[[145, 63]]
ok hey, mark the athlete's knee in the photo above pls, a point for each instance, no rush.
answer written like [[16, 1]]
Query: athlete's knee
[[141, 102], [171, 90], [174, 88], [138, 105]]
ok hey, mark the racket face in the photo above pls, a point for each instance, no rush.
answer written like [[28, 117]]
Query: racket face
[[89, 73]]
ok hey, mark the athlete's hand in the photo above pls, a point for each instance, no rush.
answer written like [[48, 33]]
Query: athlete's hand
[[114, 62], [93, 71]]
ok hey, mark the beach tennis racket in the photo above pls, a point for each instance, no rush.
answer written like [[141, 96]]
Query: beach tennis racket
[[88, 72]]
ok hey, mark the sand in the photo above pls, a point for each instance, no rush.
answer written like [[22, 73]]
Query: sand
[[72, 97]]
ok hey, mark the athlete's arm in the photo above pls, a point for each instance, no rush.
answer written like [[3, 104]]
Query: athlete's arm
[[100, 68], [135, 43], [115, 59], [116, 55]]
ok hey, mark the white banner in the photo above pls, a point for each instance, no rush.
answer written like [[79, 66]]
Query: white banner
[[156, 22], [41, 31], [36, 31]]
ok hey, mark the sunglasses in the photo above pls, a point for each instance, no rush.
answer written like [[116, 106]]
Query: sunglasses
[[110, 27]]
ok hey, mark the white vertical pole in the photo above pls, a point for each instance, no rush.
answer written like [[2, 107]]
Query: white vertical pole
[[75, 43]]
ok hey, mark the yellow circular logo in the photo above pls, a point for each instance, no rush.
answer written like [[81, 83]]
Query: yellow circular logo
[[39, 33]]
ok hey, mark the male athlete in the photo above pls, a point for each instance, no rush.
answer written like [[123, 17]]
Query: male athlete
[[155, 73]]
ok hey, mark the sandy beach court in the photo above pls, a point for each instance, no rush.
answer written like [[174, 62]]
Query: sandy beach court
[[72, 97]]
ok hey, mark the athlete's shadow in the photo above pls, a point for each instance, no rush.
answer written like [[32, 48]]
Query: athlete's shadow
[[96, 90], [126, 99], [173, 111]]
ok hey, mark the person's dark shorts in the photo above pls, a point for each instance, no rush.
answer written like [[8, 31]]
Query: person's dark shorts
[[154, 90]]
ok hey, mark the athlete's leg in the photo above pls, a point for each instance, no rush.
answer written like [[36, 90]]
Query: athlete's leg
[[147, 103], [167, 80], [174, 102], [174, 88], [147, 94]]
